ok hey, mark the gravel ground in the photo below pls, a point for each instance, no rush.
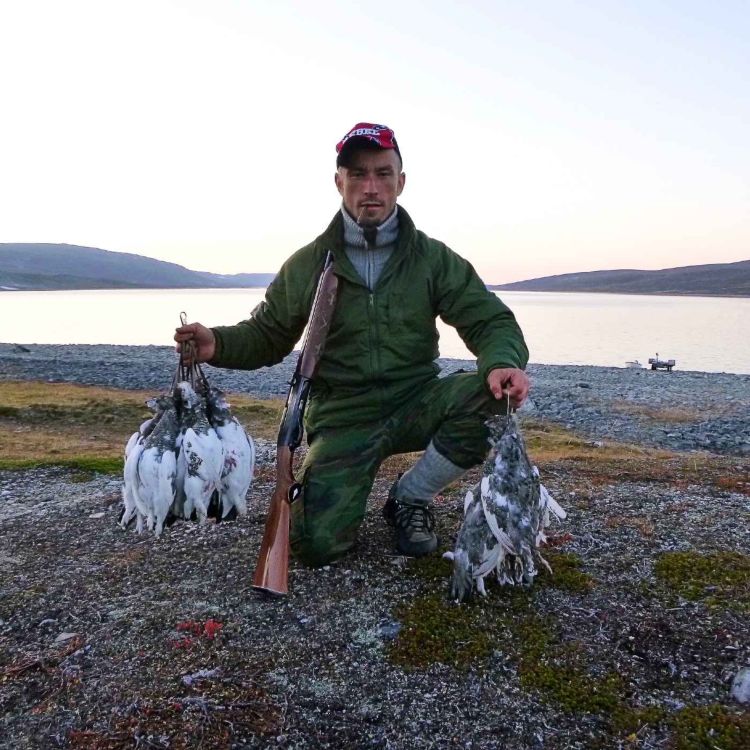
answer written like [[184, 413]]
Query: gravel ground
[[113, 640], [677, 410]]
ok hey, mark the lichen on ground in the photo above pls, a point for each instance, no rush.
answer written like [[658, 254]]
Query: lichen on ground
[[555, 665], [719, 578], [710, 727], [369, 652]]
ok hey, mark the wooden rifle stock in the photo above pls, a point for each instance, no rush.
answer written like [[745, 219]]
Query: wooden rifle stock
[[272, 570]]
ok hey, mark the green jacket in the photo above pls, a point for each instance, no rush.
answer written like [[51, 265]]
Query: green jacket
[[381, 344]]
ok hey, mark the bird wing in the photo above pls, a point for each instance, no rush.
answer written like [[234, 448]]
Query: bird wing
[[492, 519], [134, 438], [548, 502], [204, 454]]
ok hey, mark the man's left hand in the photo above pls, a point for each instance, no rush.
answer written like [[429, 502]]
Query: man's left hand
[[509, 381]]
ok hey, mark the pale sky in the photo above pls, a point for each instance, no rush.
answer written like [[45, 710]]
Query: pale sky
[[538, 137]]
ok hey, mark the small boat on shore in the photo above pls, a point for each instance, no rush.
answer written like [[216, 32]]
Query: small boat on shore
[[661, 364]]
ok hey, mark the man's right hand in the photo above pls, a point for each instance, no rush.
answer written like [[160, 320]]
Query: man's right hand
[[203, 340]]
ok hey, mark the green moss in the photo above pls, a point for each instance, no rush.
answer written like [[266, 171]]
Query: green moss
[[432, 567], [572, 688], [88, 464], [719, 579], [434, 630], [566, 573], [626, 720], [534, 635], [559, 672], [710, 727]]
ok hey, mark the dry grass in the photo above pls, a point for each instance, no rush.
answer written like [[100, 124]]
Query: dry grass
[[643, 525], [47, 423], [550, 442], [58, 423], [677, 470], [558, 451], [554, 450], [681, 414]]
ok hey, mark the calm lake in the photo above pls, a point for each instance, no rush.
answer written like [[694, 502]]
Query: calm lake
[[702, 333]]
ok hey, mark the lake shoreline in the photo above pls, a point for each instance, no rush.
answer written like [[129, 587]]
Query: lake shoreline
[[491, 287], [707, 295], [681, 410], [607, 330]]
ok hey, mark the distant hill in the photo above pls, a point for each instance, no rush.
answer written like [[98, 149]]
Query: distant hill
[[716, 279], [41, 266]]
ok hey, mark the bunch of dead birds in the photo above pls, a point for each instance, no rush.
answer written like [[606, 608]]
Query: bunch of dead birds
[[192, 460], [505, 517]]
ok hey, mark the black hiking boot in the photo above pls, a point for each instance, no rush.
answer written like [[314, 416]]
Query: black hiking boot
[[414, 523]]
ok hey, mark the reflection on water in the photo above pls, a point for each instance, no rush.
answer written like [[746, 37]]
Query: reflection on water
[[701, 333]]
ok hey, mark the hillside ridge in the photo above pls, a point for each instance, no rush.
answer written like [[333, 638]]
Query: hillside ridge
[[711, 279], [51, 266]]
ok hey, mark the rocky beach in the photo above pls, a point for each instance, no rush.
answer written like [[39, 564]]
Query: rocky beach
[[676, 410], [639, 639]]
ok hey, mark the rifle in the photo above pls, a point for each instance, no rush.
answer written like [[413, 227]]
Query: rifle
[[272, 569]]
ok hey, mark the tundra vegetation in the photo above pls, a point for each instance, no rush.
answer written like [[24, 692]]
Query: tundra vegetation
[[110, 640], [86, 427]]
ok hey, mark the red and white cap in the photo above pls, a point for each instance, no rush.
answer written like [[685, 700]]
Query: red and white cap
[[381, 135]]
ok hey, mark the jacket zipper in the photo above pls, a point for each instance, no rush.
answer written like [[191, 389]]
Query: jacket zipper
[[375, 336]]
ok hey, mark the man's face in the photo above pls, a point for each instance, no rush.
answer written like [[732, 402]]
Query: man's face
[[370, 185]]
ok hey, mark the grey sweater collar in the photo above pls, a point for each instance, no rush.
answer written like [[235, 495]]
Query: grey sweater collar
[[357, 236]]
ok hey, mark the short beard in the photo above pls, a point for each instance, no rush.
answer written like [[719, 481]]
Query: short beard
[[365, 222]]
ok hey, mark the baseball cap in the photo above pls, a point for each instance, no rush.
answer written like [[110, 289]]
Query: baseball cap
[[379, 135]]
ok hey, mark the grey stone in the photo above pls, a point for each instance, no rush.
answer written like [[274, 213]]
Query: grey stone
[[64, 637], [741, 686], [202, 674], [389, 630]]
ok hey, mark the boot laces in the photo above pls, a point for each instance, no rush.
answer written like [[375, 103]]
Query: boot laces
[[414, 516]]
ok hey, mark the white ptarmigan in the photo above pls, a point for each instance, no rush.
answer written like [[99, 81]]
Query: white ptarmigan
[[156, 470], [239, 454], [133, 450], [505, 516], [201, 457]]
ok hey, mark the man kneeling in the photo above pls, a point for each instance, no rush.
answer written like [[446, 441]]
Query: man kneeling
[[377, 391]]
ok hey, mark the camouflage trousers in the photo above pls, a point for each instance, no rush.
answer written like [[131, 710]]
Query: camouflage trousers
[[341, 464]]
